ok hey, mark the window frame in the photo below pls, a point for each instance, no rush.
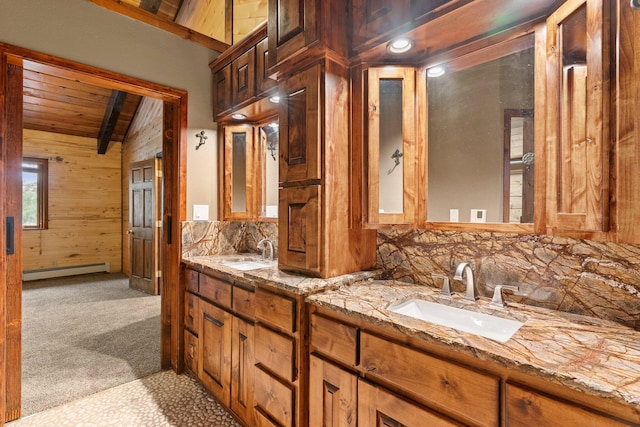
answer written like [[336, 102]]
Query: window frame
[[42, 171]]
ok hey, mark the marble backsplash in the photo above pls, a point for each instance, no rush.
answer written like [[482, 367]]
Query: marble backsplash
[[597, 279], [203, 238]]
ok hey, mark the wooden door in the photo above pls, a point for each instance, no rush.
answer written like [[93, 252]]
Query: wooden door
[[333, 395], [242, 370], [214, 348], [11, 184], [143, 228]]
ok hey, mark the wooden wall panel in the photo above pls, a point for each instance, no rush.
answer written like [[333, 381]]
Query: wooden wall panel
[[84, 204], [247, 15], [143, 142]]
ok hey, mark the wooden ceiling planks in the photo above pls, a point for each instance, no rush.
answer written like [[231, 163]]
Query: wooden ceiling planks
[[60, 105]]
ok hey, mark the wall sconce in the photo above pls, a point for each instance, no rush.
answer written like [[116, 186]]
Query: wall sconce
[[396, 157], [203, 139]]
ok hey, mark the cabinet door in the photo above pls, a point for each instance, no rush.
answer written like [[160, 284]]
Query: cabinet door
[[578, 154], [239, 174], [333, 394], [222, 90], [373, 18], [243, 77], [391, 146], [242, 372], [263, 82], [526, 408], [292, 25], [300, 225], [191, 351], [214, 346], [378, 407], [300, 127]]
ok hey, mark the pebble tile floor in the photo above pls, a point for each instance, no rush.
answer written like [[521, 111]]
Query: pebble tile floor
[[162, 399]]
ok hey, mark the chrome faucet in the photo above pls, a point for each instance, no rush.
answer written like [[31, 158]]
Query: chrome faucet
[[464, 268], [265, 244], [497, 301], [446, 290]]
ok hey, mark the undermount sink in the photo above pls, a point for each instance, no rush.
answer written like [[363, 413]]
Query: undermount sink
[[484, 325], [244, 265]]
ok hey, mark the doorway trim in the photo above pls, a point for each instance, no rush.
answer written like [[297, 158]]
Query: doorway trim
[[174, 210]]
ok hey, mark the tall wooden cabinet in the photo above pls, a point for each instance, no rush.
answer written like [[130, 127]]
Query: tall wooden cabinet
[[316, 236], [578, 117]]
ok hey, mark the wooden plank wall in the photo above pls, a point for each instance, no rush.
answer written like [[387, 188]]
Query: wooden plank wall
[[143, 141], [247, 15], [84, 204], [206, 17]]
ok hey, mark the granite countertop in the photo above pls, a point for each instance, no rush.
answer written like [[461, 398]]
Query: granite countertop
[[271, 276], [594, 356]]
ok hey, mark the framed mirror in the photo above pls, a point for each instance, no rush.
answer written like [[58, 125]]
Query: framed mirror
[[479, 107]]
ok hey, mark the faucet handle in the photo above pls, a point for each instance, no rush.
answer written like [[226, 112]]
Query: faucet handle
[[497, 301], [446, 289]]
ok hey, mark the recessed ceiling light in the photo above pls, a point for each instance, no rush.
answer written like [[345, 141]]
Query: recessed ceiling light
[[436, 71], [274, 99], [238, 116], [400, 45]]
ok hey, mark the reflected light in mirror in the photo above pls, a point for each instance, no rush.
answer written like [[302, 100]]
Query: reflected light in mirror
[[436, 71], [238, 116], [274, 99]]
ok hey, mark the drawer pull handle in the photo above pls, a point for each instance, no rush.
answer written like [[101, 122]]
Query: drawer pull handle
[[213, 320]]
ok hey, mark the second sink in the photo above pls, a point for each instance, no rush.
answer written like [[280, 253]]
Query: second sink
[[484, 325]]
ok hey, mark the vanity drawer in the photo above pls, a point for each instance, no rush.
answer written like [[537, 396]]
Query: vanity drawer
[[334, 339], [215, 290], [191, 303], [275, 309], [526, 407], [244, 302], [191, 351], [453, 389], [275, 352], [191, 279], [274, 397]]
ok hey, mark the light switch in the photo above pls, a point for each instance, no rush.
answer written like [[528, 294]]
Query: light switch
[[200, 212], [454, 215]]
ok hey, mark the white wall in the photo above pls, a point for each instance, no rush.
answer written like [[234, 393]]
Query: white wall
[[81, 31]]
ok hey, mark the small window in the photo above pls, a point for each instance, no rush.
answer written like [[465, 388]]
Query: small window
[[34, 193]]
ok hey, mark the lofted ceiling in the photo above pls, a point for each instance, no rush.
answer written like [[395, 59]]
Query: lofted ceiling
[[62, 105]]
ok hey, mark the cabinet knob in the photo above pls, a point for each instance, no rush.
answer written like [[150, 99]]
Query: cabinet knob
[[129, 231]]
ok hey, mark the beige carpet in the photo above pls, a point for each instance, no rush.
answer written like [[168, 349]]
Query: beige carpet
[[84, 334], [162, 399]]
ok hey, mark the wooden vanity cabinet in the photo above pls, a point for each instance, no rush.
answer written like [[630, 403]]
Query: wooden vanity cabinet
[[222, 88], [219, 339], [406, 381], [243, 76], [577, 117], [282, 358]]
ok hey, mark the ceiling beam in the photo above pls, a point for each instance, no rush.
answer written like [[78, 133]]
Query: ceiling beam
[[164, 24], [152, 6], [110, 120]]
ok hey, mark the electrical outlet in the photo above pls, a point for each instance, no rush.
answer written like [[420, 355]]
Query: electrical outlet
[[478, 215], [454, 215]]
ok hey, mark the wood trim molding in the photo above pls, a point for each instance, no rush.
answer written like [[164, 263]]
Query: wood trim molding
[[164, 24]]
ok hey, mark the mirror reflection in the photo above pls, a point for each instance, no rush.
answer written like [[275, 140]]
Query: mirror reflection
[[390, 155], [239, 172], [269, 151], [480, 139]]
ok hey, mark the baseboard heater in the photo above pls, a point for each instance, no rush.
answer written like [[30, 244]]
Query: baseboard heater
[[49, 273]]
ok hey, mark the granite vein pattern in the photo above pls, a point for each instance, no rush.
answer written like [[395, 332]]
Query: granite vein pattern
[[202, 238], [597, 279], [271, 276], [594, 356]]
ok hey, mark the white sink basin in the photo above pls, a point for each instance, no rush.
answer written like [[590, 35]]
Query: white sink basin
[[485, 325], [244, 265]]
